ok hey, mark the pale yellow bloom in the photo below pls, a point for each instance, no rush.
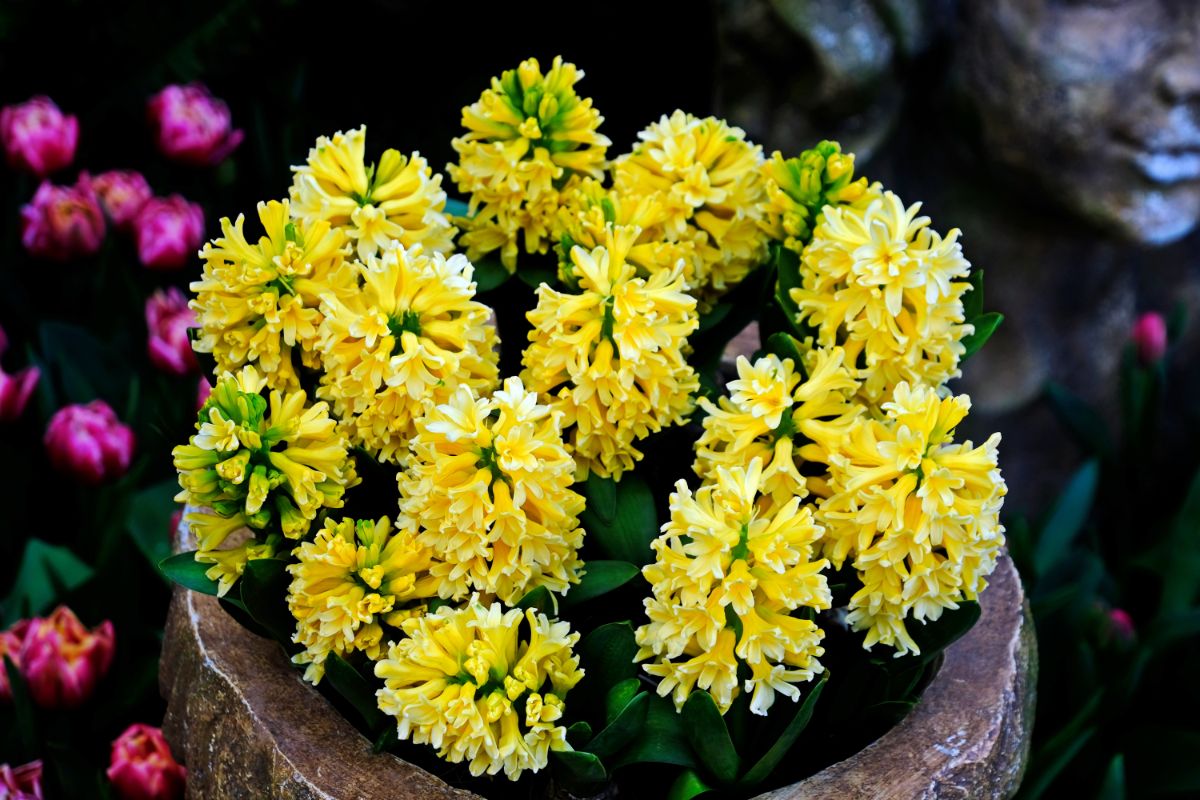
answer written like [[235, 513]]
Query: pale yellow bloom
[[730, 569], [410, 334], [610, 357], [489, 485], [399, 199], [468, 682], [353, 576]]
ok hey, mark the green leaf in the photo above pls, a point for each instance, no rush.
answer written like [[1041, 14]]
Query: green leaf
[[607, 657], [489, 273], [600, 577], [1113, 787], [620, 696], [713, 317], [1080, 419], [1163, 761], [357, 690], [621, 518], [541, 599], [456, 208], [687, 786], [1179, 559], [1066, 518], [1036, 785], [150, 518], [536, 276], [188, 573], [623, 728], [263, 587], [934, 637], [83, 366], [785, 345], [579, 734], [577, 768], [787, 277], [386, 740], [662, 740], [770, 760], [985, 326], [706, 731], [46, 574], [973, 300]]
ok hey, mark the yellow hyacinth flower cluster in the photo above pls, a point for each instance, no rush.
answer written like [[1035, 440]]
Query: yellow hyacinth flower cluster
[[482, 685], [730, 569], [528, 138], [259, 302], [610, 357], [489, 485], [407, 335], [768, 405], [798, 189], [877, 281], [258, 466], [916, 513], [708, 179], [399, 199], [353, 576]]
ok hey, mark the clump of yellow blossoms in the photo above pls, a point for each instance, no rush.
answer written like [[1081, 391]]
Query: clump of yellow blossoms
[[768, 405], [353, 575], [398, 199], [798, 189], [729, 571], [489, 484], [528, 136], [259, 302], [401, 342], [482, 685], [917, 514], [888, 289], [264, 465], [610, 357], [589, 209], [708, 179]]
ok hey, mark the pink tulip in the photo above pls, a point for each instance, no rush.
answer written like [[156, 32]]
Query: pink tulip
[[37, 137], [21, 783], [168, 232], [1150, 337], [1120, 626], [167, 321], [60, 660], [16, 389], [63, 222], [10, 646], [89, 442], [203, 390], [142, 767], [122, 194], [192, 126]]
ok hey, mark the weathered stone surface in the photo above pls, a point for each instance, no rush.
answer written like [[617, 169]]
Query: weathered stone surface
[[246, 725]]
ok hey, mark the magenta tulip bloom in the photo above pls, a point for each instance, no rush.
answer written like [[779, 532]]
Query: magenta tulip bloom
[[60, 660], [16, 389], [192, 126], [37, 137], [167, 321], [63, 222], [21, 783], [142, 767], [168, 231], [89, 442], [122, 194], [1150, 337]]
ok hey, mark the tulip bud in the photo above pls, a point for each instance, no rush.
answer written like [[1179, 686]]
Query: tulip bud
[[1120, 626], [122, 194], [167, 321], [63, 222], [37, 137], [89, 442], [21, 783], [1150, 337], [192, 126], [142, 767], [168, 232], [60, 660]]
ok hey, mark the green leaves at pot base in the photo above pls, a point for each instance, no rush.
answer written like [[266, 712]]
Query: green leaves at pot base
[[579, 770], [600, 578], [662, 740], [687, 786], [621, 518], [706, 732], [355, 689], [770, 760]]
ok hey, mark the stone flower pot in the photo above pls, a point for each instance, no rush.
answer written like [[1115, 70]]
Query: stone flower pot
[[246, 725]]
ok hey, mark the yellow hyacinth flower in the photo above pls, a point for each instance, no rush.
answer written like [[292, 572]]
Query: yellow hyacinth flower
[[798, 189], [408, 335], [353, 576], [261, 466], [258, 303], [707, 178], [528, 138], [878, 282], [482, 685], [917, 514], [399, 199], [768, 404], [730, 569], [489, 485], [610, 357]]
